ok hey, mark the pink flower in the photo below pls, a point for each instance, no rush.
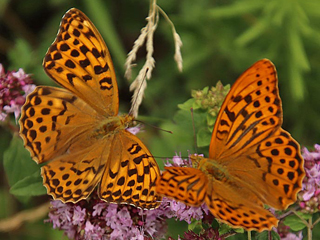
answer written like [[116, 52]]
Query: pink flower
[[309, 198], [292, 236], [14, 87], [93, 232], [79, 215], [96, 219], [134, 130]]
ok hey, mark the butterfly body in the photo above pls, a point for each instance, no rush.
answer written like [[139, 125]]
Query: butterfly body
[[212, 169], [112, 125], [76, 129], [252, 160]]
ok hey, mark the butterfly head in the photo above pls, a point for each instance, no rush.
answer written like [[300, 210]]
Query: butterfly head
[[126, 120], [196, 160]]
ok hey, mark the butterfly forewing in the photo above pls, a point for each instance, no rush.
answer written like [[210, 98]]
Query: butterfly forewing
[[52, 120], [79, 61], [251, 112]]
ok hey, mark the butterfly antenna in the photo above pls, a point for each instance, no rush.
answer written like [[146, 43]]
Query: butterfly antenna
[[194, 131], [167, 131]]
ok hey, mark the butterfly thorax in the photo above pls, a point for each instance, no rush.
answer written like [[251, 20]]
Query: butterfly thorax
[[210, 168], [111, 125]]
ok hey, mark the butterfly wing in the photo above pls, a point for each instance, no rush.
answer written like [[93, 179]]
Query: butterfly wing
[[52, 120], [79, 61], [249, 141], [131, 173], [73, 175], [188, 185], [57, 127], [273, 169], [230, 203], [250, 113], [238, 206]]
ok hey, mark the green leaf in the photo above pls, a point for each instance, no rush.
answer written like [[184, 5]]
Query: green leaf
[[176, 228], [203, 137], [211, 120], [265, 235], [236, 9], [296, 223], [187, 105], [195, 226], [183, 118], [29, 186], [225, 228], [17, 161]]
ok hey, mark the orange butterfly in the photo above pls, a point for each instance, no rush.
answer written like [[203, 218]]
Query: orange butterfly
[[77, 128], [252, 160]]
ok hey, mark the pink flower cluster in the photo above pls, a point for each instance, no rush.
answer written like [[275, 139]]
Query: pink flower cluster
[[309, 196], [285, 234], [14, 87], [96, 219]]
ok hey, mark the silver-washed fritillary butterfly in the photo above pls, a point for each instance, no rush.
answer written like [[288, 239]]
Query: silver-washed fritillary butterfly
[[77, 130], [252, 160]]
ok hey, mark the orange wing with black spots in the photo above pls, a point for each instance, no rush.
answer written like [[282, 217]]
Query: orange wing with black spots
[[79, 60], [252, 160], [77, 130]]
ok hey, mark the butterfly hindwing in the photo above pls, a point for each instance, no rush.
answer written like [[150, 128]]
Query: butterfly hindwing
[[130, 174], [241, 212], [274, 169], [175, 182], [71, 177]]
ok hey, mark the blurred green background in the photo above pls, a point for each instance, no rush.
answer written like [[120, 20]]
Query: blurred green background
[[220, 39]]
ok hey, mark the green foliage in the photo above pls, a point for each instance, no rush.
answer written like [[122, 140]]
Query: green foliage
[[206, 104], [265, 235], [295, 222], [17, 162], [22, 49], [29, 186], [176, 228]]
